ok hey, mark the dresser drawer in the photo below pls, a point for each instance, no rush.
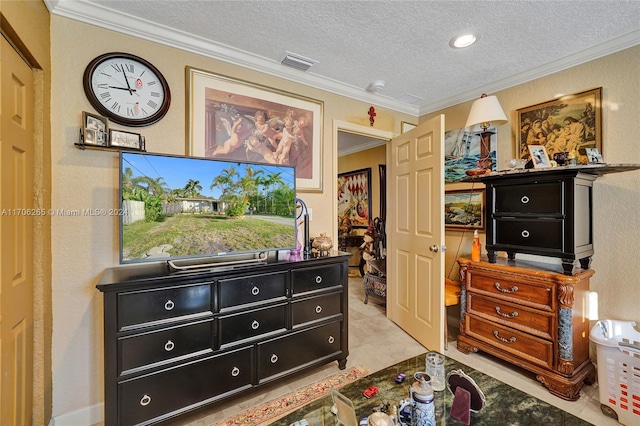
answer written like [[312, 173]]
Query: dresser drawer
[[539, 323], [545, 234], [316, 308], [154, 395], [539, 295], [544, 198], [246, 325], [148, 306], [280, 355], [531, 348], [146, 349], [235, 292], [310, 279]]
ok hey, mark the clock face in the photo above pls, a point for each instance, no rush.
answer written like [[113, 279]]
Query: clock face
[[127, 89]]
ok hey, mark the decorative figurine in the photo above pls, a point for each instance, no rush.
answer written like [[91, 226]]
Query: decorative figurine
[[368, 247], [322, 244]]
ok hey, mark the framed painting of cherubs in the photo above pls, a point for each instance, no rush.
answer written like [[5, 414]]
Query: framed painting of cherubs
[[238, 120], [565, 124]]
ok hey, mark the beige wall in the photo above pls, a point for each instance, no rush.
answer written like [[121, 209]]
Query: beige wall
[[616, 196]]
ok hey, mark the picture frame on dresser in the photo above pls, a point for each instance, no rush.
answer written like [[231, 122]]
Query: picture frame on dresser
[[539, 156]]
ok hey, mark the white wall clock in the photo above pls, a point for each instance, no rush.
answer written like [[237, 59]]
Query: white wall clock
[[127, 89]]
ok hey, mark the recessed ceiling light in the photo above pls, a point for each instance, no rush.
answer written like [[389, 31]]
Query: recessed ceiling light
[[464, 40]]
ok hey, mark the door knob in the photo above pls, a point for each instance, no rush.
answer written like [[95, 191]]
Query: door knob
[[434, 248]]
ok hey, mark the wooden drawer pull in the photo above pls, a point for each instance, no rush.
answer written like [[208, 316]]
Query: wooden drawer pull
[[235, 371], [511, 315], [169, 346], [331, 339], [146, 400], [318, 279], [255, 290], [506, 290], [318, 309], [169, 305], [502, 339]]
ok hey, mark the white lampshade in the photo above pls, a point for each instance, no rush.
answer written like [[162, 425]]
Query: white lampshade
[[487, 109]]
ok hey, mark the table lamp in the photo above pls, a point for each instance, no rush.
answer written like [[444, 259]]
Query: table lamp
[[486, 112]]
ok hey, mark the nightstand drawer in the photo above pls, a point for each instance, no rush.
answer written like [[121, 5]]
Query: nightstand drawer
[[235, 292], [539, 323], [310, 279], [539, 296], [316, 308], [146, 349], [537, 199], [545, 234], [149, 306], [153, 395], [531, 348], [238, 327]]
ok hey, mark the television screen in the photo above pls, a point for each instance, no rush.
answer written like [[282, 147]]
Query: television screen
[[177, 207]]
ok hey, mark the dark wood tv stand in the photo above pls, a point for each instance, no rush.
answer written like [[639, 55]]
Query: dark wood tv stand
[[175, 342]]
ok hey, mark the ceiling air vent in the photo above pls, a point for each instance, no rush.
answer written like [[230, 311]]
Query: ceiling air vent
[[296, 61]]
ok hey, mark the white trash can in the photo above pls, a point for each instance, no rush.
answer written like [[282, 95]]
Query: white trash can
[[618, 359]]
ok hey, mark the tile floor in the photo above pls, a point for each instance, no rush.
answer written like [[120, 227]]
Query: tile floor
[[376, 342]]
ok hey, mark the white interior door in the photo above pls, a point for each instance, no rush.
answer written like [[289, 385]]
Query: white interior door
[[415, 233]]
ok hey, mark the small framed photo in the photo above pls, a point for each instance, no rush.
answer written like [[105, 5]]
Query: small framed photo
[[594, 156], [539, 156], [95, 128], [121, 139]]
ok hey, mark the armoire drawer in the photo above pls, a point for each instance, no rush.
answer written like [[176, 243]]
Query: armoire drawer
[[533, 321], [145, 349], [310, 279], [531, 348], [148, 306], [245, 325], [236, 292], [293, 351], [539, 296], [316, 308], [154, 395], [541, 199], [545, 234]]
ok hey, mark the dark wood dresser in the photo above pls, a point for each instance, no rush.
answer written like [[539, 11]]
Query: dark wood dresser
[[532, 315], [178, 341]]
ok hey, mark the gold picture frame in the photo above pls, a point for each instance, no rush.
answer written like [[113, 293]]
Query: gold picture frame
[[238, 120]]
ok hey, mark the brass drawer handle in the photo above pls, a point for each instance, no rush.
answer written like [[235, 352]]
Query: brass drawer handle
[[502, 339], [318, 309], [255, 290], [506, 290], [511, 315], [146, 400], [235, 371]]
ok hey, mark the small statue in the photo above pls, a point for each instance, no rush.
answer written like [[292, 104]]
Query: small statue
[[322, 244], [368, 247]]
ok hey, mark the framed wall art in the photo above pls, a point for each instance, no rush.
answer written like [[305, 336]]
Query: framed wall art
[[121, 139], [95, 129], [565, 124], [464, 209], [463, 150], [239, 120], [354, 197]]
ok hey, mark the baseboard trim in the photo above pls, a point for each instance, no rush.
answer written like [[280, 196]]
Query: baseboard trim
[[91, 415]]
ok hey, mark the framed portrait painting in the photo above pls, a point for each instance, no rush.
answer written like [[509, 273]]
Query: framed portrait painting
[[238, 120], [464, 209], [569, 123], [354, 197]]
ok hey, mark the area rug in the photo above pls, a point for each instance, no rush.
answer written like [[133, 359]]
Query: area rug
[[270, 411]]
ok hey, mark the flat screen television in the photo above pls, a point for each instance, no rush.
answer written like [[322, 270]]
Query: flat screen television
[[176, 207]]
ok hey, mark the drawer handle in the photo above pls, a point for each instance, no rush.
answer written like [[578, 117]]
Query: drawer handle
[[511, 315], [318, 309], [146, 400], [318, 279], [506, 290], [274, 358], [502, 339], [169, 346], [255, 290], [169, 305], [255, 324], [331, 339], [524, 199], [525, 234], [235, 372]]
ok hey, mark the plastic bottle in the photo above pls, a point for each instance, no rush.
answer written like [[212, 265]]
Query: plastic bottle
[[475, 247]]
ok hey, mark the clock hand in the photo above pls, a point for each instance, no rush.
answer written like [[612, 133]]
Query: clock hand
[[126, 80], [122, 88]]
